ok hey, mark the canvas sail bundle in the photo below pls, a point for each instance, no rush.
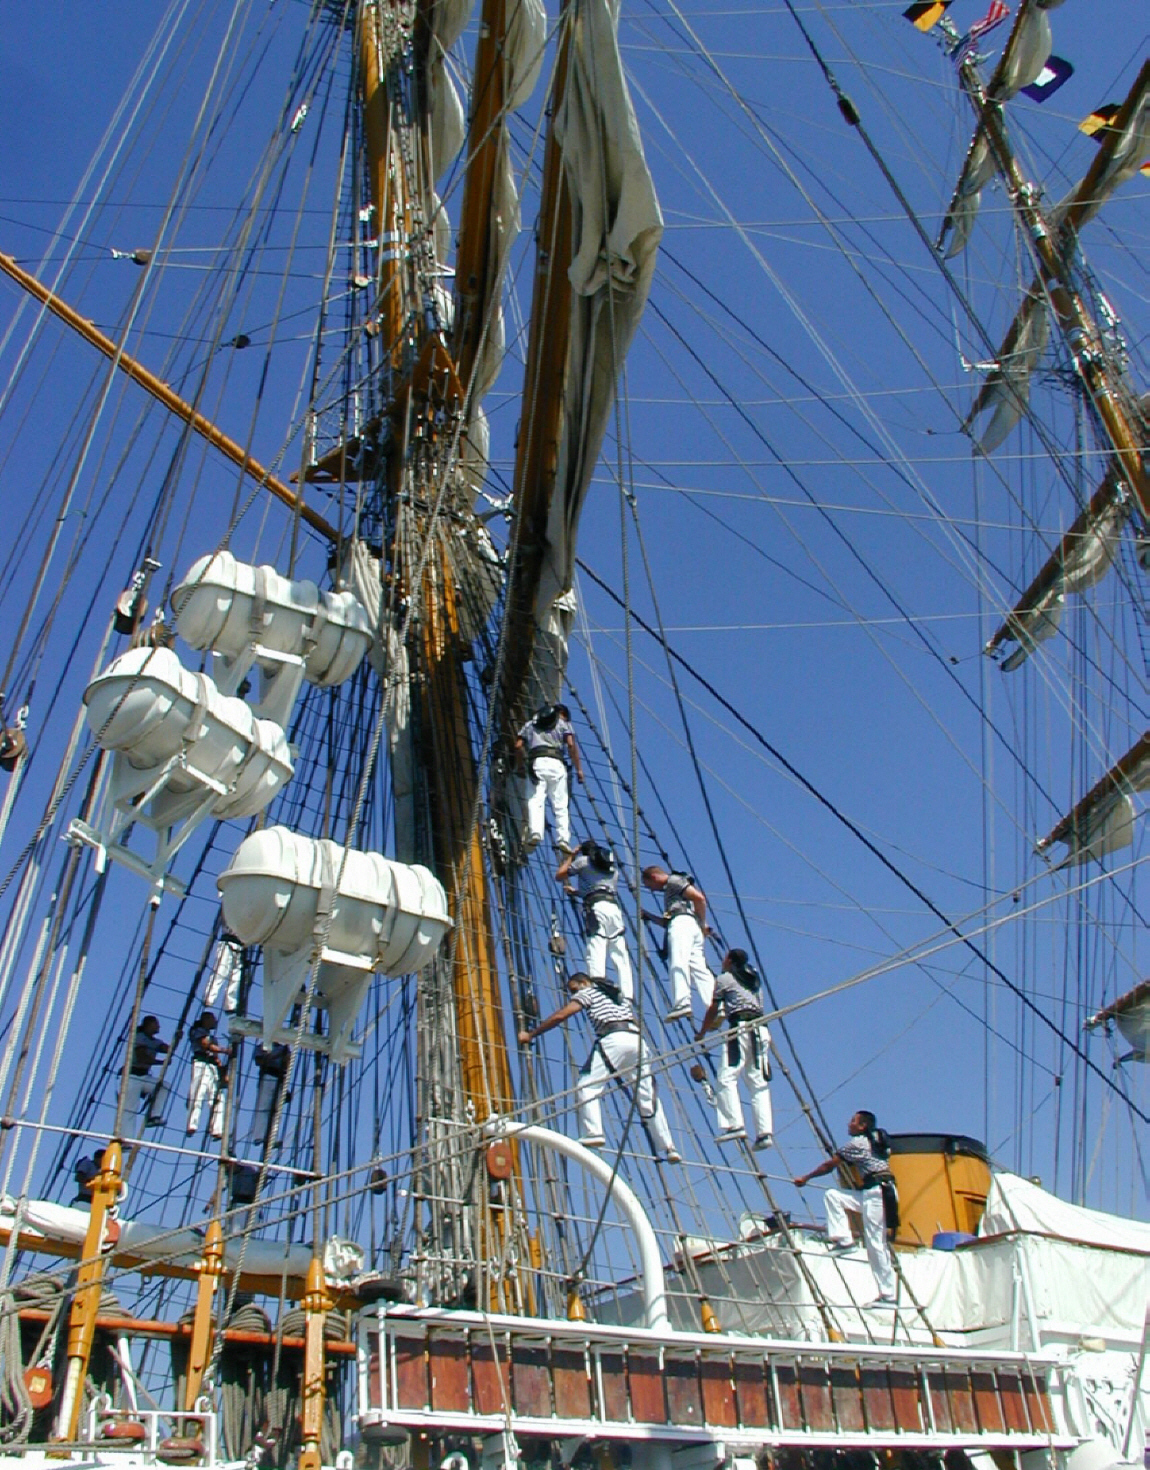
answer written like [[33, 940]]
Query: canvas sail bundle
[[617, 225]]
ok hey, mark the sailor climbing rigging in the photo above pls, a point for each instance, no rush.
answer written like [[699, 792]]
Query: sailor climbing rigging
[[210, 1060], [147, 1049], [618, 1052], [864, 1156], [543, 748], [596, 885], [747, 1050], [685, 916]]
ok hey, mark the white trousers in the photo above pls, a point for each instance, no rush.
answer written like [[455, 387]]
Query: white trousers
[[265, 1105], [141, 1090], [206, 1092], [225, 975], [548, 778], [868, 1204], [750, 1046], [687, 961], [620, 1055], [608, 943]]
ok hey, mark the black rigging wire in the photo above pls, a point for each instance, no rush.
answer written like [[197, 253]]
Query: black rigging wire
[[857, 832]]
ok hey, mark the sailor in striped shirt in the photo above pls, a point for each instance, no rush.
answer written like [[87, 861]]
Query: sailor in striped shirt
[[747, 1050], [618, 1052]]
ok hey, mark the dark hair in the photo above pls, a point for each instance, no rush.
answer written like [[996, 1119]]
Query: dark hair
[[547, 716], [600, 857], [742, 969]]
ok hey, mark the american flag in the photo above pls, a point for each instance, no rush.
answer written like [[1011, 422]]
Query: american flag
[[994, 17], [997, 13]]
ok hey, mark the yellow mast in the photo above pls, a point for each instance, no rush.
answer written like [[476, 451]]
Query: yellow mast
[[448, 760], [89, 1286], [211, 1269]]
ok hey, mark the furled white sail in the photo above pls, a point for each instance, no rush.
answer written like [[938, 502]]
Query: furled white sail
[[1103, 821], [1028, 52], [1007, 391], [617, 225], [1126, 155], [388, 657]]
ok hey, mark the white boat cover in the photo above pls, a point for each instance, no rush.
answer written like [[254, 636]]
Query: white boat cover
[[616, 228], [286, 891], [1014, 1203], [149, 709], [227, 605], [68, 1225]]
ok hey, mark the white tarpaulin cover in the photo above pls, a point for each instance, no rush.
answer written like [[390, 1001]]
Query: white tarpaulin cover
[[616, 228], [1016, 1204]]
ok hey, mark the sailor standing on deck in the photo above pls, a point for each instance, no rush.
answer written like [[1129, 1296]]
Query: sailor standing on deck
[[596, 885], [746, 1051], [864, 1155], [618, 1052], [685, 915], [542, 748], [209, 1067], [147, 1049]]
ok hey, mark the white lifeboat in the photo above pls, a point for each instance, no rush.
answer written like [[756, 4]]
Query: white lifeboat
[[153, 712], [247, 614], [358, 913]]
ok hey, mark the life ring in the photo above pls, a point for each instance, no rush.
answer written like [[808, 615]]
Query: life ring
[[38, 1382], [130, 1430], [180, 1451]]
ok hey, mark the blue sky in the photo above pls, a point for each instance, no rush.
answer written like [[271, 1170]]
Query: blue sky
[[822, 549]]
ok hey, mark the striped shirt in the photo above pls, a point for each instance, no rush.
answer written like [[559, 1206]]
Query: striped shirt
[[859, 1153], [735, 999], [590, 880], [606, 1015], [675, 901]]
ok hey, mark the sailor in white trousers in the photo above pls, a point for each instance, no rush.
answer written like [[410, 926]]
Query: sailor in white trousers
[[209, 1066], [596, 885], [746, 1052], [865, 1155], [617, 1054], [542, 749], [685, 917], [271, 1063]]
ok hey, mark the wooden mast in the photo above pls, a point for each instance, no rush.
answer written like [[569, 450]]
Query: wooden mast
[[544, 379], [446, 754], [167, 396]]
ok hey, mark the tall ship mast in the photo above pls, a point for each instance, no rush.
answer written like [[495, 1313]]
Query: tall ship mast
[[457, 878]]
